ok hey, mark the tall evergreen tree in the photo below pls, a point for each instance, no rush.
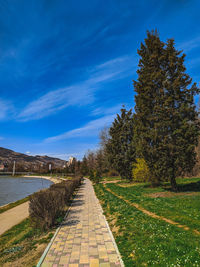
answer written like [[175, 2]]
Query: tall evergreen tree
[[120, 148], [166, 119]]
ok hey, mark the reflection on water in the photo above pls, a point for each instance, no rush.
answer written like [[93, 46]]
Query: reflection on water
[[13, 189]]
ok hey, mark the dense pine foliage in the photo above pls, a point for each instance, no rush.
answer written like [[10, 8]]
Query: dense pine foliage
[[163, 131], [166, 119]]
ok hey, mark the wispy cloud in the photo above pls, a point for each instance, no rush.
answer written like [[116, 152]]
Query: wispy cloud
[[106, 111], [5, 109], [189, 45], [54, 101], [81, 93], [92, 128]]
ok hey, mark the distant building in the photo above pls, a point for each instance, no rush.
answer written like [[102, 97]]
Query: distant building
[[71, 159]]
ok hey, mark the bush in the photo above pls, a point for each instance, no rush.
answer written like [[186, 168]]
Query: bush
[[47, 205], [44, 207], [140, 171], [95, 176]]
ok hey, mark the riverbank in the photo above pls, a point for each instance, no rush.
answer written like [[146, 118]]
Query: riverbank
[[13, 204], [50, 178]]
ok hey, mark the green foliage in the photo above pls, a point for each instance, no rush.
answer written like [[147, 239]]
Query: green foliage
[[140, 171], [95, 176], [84, 166], [166, 120], [91, 176], [120, 147]]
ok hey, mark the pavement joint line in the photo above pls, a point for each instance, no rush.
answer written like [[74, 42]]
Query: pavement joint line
[[54, 236]]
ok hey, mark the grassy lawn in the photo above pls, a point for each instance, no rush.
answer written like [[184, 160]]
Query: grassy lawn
[[182, 207], [115, 178], [146, 241], [23, 245]]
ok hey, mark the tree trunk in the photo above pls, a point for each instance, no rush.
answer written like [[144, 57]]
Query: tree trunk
[[173, 184]]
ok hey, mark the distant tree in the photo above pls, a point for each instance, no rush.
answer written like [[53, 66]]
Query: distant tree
[[91, 160], [166, 119], [104, 137], [120, 147], [84, 166], [100, 162]]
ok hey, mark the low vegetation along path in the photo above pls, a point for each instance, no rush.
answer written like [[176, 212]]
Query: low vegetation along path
[[13, 216], [84, 238], [151, 214]]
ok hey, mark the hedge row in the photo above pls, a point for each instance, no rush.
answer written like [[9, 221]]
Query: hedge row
[[46, 206]]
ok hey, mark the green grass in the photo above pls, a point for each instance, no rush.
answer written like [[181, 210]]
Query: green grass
[[20, 241], [111, 178], [145, 241], [13, 204], [184, 209]]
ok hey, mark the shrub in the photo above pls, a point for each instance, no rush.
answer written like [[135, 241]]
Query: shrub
[[95, 176], [91, 177], [44, 207], [47, 205], [141, 171]]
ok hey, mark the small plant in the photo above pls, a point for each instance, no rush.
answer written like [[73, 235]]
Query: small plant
[[91, 177], [95, 176], [140, 171]]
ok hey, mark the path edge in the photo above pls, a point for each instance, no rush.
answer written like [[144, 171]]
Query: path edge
[[110, 232]]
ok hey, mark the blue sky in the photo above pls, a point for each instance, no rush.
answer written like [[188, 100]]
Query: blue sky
[[66, 67]]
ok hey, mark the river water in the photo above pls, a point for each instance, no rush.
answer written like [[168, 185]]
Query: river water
[[13, 189]]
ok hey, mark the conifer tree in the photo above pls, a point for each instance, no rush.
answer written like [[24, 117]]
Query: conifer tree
[[120, 148], [166, 119]]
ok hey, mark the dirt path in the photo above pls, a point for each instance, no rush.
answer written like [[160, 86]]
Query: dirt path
[[151, 214], [13, 216]]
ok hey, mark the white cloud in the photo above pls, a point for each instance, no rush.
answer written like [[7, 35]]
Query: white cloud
[[54, 101], [78, 94], [106, 111], [189, 45], [5, 109], [92, 128]]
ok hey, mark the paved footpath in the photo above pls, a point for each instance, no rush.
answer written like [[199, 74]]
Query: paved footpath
[[13, 216], [84, 239]]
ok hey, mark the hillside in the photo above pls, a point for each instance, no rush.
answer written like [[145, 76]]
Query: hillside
[[26, 162]]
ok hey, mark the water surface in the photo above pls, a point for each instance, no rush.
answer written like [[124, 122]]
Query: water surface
[[13, 189]]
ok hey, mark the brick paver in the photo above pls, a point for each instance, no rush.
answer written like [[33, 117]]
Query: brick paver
[[84, 238]]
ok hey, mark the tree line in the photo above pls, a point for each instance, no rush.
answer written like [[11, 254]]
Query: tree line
[[162, 133]]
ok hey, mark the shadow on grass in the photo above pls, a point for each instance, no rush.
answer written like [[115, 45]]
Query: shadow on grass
[[189, 187]]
